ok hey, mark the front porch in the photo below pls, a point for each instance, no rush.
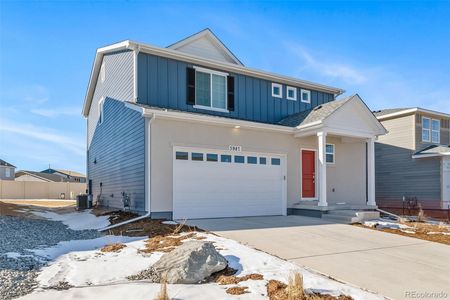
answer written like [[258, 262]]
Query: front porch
[[341, 177]]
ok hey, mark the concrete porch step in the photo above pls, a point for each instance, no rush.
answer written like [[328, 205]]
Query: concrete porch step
[[350, 216]]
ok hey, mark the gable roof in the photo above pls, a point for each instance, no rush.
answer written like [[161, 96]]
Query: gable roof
[[205, 43], [44, 176], [315, 114], [193, 59], [433, 150], [399, 112], [5, 164]]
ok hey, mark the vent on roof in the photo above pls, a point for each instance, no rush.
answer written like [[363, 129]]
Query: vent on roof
[[318, 107]]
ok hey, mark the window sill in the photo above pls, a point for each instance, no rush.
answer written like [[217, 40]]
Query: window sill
[[304, 101], [211, 108]]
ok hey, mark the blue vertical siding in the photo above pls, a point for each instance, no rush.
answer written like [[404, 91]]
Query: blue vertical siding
[[116, 156], [162, 83]]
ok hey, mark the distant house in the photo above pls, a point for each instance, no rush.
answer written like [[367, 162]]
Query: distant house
[[413, 159], [72, 175], [24, 175], [7, 170]]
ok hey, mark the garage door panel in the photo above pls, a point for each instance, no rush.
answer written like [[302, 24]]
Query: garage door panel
[[205, 189]]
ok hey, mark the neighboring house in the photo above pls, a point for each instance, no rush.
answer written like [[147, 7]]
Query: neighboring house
[[7, 170], [188, 131], [24, 175], [72, 175], [413, 159]]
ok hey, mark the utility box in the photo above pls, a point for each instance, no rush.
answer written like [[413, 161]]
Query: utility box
[[82, 202]]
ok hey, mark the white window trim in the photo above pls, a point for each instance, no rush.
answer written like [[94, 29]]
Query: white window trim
[[211, 72], [280, 86], [291, 88], [332, 153], [100, 110], [438, 131], [309, 96], [429, 130]]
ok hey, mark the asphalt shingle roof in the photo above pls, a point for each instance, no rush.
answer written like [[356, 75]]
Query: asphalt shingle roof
[[6, 164], [50, 177], [382, 112], [316, 114]]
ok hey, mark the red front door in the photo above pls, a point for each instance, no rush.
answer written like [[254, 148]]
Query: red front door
[[308, 174]]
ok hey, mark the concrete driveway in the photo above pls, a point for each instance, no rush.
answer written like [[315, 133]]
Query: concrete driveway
[[389, 264]]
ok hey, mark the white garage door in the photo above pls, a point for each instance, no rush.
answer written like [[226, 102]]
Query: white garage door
[[212, 184]]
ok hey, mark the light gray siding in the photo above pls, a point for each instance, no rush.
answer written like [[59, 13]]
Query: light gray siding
[[3, 173], [117, 157], [118, 84], [397, 173]]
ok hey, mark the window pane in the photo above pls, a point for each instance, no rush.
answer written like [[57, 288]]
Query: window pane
[[330, 158], [197, 156], [305, 96], [435, 136], [276, 90], [211, 157], [225, 158], [435, 125], [251, 160], [426, 123], [239, 159], [262, 160], [276, 161], [218, 91], [202, 89], [291, 93], [329, 148], [181, 155], [425, 134]]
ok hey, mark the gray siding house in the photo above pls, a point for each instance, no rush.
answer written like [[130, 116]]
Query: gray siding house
[[413, 159], [187, 131], [7, 170]]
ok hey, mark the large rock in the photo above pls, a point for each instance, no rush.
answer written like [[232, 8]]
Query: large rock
[[191, 262]]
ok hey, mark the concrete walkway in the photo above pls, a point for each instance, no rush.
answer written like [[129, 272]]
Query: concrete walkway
[[389, 264]]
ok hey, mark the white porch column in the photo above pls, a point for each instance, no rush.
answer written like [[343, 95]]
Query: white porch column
[[371, 171], [322, 138]]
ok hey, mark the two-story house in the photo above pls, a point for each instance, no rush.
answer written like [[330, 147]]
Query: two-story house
[[188, 131], [68, 175], [7, 170], [413, 159]]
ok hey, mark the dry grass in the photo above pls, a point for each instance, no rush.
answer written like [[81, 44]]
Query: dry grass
[[43, 203], [276, 290], [165, 243], [116, 247], [163, 294], [237, 290], [421, 231], [224, 280], [421, 215]]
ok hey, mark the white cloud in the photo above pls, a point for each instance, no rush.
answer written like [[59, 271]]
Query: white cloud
[[341, 71], [72, 144], [55, 112]]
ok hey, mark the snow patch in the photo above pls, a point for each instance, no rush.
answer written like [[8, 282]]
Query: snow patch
[[77, 220], [385, 224], [169, 222]]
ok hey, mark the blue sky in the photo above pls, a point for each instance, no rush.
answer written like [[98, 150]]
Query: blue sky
[[394, 54]]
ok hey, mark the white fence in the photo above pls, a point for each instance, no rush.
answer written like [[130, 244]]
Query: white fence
[[40, 190]]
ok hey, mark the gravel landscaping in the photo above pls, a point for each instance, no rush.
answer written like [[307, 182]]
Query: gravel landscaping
[[19, 265]]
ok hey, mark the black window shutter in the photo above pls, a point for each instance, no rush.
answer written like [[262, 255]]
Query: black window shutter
[[230, 93], [190, 76]]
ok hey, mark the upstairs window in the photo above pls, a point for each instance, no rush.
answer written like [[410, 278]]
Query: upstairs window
[[291, 93], [8, 172], [305, 96], [436, 131], [277, 90], [426, 129], [210, 89]]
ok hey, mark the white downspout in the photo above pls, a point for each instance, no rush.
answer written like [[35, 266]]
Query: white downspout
[[148, 176]]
